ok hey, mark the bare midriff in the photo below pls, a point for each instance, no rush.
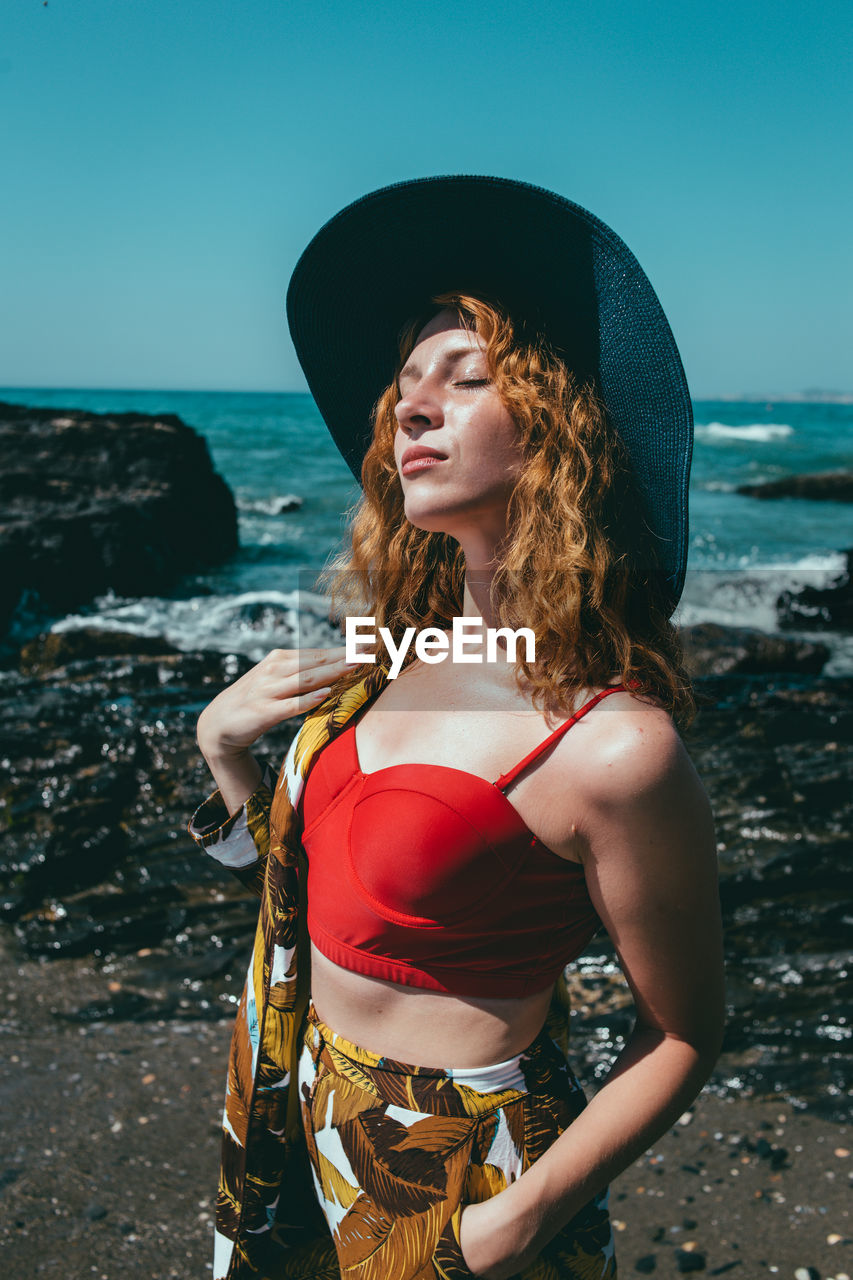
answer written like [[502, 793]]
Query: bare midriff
[[425, 1028]]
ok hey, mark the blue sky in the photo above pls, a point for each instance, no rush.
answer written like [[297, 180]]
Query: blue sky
[[166, 162]]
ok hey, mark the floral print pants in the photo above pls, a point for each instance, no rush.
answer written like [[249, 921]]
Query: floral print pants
[[397, 1151]]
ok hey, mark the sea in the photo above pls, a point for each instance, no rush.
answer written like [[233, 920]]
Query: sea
[[293, 491]]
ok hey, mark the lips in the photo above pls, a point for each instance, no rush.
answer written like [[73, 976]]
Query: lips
[[420, 458]]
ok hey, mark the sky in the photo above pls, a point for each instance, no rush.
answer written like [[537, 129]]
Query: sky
[[166, 161]]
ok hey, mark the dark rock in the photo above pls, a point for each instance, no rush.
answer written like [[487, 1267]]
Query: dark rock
[[126, 1006], [710, 649], [646, 1265], [95, 1212], [686, 1261], [830, 606], [285, 502], [103, 773], [832, 486], [96, 501], [56, 649]]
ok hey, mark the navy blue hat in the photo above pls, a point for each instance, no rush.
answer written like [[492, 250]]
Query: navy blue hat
[[378, 262]]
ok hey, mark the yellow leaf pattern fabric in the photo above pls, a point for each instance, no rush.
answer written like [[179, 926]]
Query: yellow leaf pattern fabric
[[396, 1156]]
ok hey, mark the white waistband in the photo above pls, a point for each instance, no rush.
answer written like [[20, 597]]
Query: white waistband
[[502, 1075]]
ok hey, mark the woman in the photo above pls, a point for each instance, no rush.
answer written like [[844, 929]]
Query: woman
[[527, 466]]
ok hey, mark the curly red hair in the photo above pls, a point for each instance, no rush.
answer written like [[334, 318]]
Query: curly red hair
[[579, 565]]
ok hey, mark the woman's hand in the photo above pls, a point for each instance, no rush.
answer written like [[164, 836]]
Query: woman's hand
[[494, 1247], [287, 682]]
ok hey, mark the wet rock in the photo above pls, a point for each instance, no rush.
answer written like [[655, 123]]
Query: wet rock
[[831, 486], [104, 771], [776, 756], [710, 649], [284, 502], [96, 501], [829, 606], [103, 774], [55, 649]]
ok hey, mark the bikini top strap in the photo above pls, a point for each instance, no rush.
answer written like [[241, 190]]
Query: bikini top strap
[[506, 778]]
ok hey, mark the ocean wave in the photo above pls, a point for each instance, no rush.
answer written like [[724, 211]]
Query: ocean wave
[[754, 431], [273, 506], [745, 595], [250, 622]]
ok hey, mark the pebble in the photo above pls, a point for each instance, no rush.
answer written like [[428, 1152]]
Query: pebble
[[842, 1152], [687, 1261], [806, 1273], [646, 1265], [95, 1212]]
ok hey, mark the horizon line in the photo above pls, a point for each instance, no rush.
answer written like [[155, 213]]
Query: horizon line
[[815, 395]]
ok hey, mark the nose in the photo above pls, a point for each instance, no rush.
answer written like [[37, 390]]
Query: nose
[[418, 408]]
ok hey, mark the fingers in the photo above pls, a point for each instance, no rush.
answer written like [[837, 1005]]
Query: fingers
[[304, 670], [308, 701]]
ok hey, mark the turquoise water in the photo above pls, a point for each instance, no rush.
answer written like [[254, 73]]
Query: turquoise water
[[742, 550]]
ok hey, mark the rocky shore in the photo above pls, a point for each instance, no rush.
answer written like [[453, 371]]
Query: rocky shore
[[95, 501], [126, 950], [747, 1187], [125, 947]]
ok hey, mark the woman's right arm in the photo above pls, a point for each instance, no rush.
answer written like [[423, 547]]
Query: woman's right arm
[[232, 824]]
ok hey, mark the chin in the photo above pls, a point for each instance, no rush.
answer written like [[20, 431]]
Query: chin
[[450, 516], [429, 521]]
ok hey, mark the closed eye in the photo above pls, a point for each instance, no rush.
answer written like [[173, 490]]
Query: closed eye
[[473, 382]]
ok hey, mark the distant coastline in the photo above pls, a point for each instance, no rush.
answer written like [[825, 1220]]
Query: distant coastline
[[812, 395]]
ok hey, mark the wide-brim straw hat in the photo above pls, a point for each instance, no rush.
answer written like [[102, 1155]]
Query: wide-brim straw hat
[[378, 262]]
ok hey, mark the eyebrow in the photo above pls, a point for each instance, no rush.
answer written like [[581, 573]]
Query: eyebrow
[[452, 358]]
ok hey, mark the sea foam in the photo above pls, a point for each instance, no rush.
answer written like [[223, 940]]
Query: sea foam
[[755, 431]]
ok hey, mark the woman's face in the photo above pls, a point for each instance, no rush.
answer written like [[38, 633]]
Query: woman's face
[[451, 411]]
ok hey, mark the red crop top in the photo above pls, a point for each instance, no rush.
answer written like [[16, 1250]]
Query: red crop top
[[427, 876]]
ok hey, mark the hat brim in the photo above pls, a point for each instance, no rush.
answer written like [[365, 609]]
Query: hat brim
[[377, 263]]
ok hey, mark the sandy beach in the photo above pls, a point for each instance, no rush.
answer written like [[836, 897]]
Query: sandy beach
[[750, 1188]]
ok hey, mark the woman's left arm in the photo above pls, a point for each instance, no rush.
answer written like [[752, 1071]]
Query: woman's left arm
[[651, 871]]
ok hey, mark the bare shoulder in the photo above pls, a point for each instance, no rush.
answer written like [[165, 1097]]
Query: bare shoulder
[[632, 743], [634, 764]]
